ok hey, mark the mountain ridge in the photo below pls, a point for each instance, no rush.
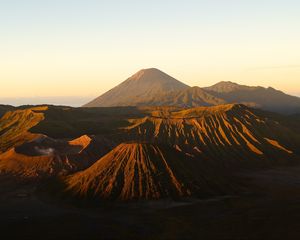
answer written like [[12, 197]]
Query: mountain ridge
[[269, 99]]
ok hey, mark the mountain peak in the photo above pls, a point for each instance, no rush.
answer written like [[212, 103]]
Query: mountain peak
[[226, 87], [150, 70], [227, 83], [143, 85], [152, 74], [138, 75]]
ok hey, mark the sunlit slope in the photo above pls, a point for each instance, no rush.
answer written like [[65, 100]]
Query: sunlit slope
[[145, 171], [45, 157], [141, 87], [15, 125], [225, 132], [33, 167]]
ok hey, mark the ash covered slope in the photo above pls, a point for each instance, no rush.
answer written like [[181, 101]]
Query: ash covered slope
[[139, 88], [225, 132], [143, 171], [15, 125]]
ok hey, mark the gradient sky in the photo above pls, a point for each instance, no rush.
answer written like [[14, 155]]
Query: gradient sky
[[54, 48]]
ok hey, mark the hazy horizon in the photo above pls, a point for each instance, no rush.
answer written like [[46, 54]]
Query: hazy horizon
[[81, 49]]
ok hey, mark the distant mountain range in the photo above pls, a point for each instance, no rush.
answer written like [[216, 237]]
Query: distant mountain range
[[152, 87]]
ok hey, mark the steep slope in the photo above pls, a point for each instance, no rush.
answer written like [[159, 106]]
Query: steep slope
[[45, 157], [265, 98], [143, 171], [15, 125], [188, 97], [28, 167], [83, 142], [144, 85], [224, 134]]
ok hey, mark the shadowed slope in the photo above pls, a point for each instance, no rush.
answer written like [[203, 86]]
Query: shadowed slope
[[144, 85], [4, 109], [143, 171], [91, 150]]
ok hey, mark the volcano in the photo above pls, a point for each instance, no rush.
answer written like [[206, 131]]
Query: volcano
[[143, 171], [142, 86]]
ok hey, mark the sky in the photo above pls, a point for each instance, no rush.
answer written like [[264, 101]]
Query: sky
[[70, 51]]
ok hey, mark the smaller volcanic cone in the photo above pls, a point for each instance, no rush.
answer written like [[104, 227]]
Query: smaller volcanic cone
[[140, 171]]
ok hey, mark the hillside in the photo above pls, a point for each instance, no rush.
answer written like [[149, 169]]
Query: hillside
[[143, 171], [14, 126]]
